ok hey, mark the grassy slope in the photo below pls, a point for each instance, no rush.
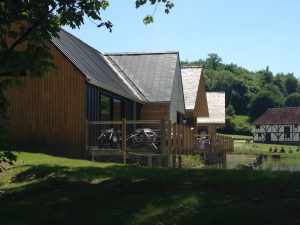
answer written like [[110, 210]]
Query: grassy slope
[[51, 190]]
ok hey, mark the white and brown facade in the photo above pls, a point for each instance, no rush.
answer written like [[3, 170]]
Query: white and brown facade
[[280, 125]]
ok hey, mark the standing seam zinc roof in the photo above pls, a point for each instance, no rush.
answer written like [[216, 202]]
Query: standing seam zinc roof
[[92, 64], [151, 73]]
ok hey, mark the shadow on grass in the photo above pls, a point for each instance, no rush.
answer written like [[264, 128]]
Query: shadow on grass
[[134, 195]]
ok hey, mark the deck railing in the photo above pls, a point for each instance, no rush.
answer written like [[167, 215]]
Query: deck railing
[[156, 137]]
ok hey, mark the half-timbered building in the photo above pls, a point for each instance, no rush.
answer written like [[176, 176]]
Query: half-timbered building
[[281, 125]]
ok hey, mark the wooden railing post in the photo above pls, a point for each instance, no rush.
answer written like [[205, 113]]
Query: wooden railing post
[[124, 148], [163, 137], [87, 138], [174, 145], [169, 141]]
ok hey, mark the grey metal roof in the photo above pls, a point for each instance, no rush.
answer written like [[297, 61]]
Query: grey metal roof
[[151, 73], [93, 65]]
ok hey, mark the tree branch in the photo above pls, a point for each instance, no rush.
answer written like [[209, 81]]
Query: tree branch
[[22, 38]]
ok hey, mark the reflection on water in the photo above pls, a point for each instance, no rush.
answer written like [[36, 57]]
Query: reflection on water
[[283, 164]]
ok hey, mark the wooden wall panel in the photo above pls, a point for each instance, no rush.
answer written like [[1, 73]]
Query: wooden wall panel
[[155, 111], [201, 107], [49, 111]]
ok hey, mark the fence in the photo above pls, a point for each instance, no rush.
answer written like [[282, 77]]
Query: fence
[[132, 138], [213, 149]]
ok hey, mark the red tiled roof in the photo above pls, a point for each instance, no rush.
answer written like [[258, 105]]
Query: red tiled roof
[[284, 116]]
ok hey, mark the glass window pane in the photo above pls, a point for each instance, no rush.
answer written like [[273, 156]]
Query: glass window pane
[[105, 108]]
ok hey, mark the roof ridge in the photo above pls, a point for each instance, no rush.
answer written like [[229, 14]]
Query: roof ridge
[[187, 67], [141, 53]]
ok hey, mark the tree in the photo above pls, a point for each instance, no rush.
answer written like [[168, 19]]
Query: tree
[[291, 84], [266, 76], [26, 26], [213, 61], [293, 100], [260, 102]]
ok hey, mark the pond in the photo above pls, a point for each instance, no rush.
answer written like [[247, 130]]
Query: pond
[[283, 164]]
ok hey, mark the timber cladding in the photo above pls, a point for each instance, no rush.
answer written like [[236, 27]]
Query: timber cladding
[[155, 111], [49, 111], [201, 107]]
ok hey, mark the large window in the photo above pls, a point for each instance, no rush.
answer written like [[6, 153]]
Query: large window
[[105, 108], [117, 110], [111, 108]]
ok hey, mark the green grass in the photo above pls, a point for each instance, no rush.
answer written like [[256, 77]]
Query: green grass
[[241, 147], [43, 189], [239, 137], [242, 122]]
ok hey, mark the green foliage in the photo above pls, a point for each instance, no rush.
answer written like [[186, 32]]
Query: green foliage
[[261, 101], [241, 85], [291, 84], [230, 111], [293, 100]]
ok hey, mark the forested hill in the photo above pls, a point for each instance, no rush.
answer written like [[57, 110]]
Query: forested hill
[[249, 92]]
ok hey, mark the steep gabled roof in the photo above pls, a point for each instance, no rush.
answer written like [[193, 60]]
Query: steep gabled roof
[[152, 74], [194, 85], [190, 80], [93, 65], [280, 116]]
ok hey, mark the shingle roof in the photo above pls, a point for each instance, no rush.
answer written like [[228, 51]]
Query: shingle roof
[[151, 73], [93, 65], [190, 81], [216, 109], [282, 116]]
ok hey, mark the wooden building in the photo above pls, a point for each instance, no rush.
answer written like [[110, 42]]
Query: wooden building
[[279, 125], [204, 110], [50, 113]]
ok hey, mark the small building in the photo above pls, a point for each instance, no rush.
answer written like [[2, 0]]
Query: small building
[[279, 125], [204, 110]]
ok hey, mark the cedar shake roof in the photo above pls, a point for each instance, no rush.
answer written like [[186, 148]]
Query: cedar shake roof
[[190, 81], [216, 109], [151, 73], [280, 116]]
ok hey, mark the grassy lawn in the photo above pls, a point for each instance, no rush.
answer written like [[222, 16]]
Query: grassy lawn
[[43, 189], [241, 147]]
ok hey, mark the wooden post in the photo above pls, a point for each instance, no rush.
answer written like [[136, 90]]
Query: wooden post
[[163, 137], [124, 148], [174, 145], [169, 141], [179, 147], [87, 138]]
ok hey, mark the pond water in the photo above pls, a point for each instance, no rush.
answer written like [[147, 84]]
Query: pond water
[[283, 164]]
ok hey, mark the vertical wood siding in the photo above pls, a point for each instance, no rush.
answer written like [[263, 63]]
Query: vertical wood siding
[[155, 111], [49, 111], [201, 108]]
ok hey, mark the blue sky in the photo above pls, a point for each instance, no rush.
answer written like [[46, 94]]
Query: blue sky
[[251, 33]]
